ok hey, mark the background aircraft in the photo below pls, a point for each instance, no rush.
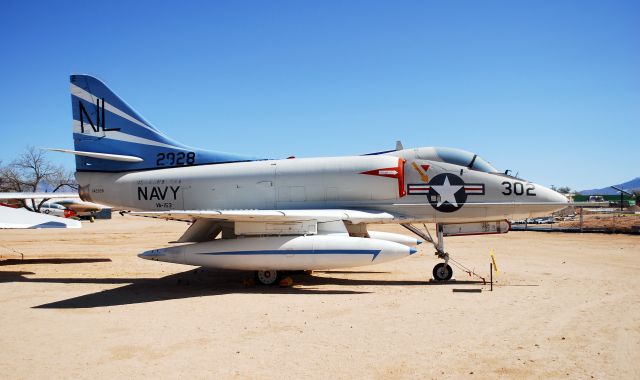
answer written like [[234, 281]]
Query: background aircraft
[[65, 205], [51, 217], [75, 208], [293, 214], [56, 217], [55, 209]]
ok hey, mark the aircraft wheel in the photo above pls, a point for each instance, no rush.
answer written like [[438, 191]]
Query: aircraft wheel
[[267, 277], [442, 272]]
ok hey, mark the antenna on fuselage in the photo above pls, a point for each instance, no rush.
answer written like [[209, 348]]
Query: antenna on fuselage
[[399, 145]]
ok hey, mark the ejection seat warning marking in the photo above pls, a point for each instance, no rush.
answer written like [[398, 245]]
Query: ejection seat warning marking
[[423, 174]]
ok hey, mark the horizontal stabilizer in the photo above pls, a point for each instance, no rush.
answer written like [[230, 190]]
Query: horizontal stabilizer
[[102, 156]]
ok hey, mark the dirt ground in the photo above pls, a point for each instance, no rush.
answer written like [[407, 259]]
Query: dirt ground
[[82, 305]]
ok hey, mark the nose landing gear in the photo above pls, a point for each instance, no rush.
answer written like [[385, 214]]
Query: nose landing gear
[[442, 271]]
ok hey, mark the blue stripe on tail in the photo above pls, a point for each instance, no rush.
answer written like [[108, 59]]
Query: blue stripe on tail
[[104, 123]]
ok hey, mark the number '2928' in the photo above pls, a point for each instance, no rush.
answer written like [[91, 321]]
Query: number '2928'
[[175, 159]]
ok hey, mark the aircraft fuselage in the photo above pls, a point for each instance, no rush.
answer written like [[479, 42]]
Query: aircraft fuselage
[[399, 182]]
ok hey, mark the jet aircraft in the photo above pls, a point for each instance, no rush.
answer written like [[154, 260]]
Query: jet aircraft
[[65, 205], [51, 217], [273, 215], [75, 208]]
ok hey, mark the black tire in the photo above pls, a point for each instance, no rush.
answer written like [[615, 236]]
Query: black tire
[[267, 277], [442, 273]]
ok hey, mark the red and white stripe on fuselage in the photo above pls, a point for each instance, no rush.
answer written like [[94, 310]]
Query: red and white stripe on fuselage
[[413, 189], [470, 188]]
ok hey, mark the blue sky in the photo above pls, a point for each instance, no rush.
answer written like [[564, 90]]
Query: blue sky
[[549, 89]]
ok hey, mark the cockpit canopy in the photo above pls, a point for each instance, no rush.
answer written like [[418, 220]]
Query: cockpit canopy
[[456, 157]]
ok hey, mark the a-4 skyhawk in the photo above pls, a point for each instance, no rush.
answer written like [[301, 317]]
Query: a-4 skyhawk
[[272, 215]]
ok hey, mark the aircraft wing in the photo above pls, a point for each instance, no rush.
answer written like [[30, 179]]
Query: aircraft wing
[[320, 215], [38, 195], [21, 218]]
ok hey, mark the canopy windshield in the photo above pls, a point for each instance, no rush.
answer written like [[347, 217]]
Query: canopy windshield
[[464, 158]]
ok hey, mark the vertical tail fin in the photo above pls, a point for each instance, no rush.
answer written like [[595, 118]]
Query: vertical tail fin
[[105, 126]]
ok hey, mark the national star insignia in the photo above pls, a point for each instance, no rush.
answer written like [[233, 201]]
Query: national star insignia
[[447, 192]]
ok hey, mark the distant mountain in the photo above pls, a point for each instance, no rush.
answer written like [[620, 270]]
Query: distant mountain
[[634, 184]]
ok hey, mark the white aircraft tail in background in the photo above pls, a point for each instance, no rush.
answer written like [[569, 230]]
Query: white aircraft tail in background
[[21, 218]]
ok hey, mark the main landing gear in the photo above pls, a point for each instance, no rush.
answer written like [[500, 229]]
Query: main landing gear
[[282, 278], [267, 277], [442, 271]]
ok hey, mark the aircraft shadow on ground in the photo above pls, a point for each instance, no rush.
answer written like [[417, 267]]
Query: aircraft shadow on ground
[[323, 280], [78, 260], [202, 283], [349, 272], [193, 283]]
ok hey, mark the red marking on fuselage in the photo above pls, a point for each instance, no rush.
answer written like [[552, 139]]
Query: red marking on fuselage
[[397, 173]]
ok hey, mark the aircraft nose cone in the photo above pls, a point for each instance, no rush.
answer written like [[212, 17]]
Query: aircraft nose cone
[[555, 197], [550, 200], [151, 254], [561, 198], [546, 195]]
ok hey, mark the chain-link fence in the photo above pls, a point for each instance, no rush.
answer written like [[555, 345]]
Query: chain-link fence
[[585, 219]]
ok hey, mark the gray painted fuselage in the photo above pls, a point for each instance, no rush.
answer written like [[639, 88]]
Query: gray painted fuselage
[[325, 183]]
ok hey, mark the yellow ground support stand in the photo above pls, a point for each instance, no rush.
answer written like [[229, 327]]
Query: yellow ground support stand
[[493, 260]]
